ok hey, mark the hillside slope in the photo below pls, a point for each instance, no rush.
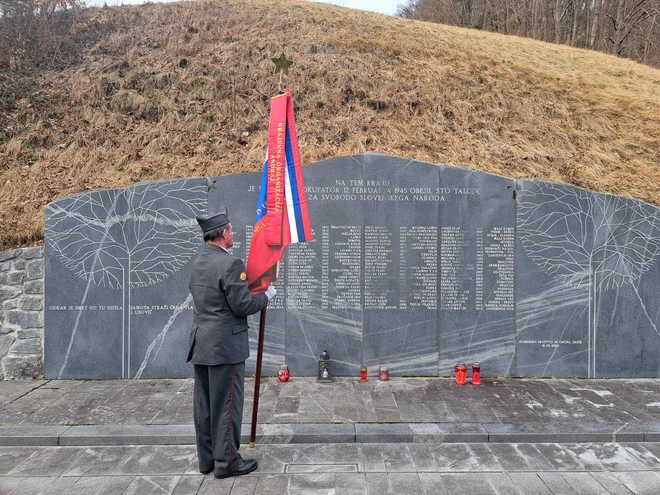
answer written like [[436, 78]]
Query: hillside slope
[[177, 90]]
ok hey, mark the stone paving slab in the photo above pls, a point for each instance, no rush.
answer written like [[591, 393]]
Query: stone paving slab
[[328, 458], [564, 432], [347, 400], [299, 433], [14, 389], [651, 431], [344, 483], [420, 432], [336, 468], [401, 410], [31, 435]]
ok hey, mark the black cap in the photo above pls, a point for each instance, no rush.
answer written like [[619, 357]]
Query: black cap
[[214, 221]]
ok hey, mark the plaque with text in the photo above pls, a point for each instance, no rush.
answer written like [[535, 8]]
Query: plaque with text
[[122, 255], [239, 194], [326, 310], [553, 279], [165, 238], [415, 266], [477, 277], [400, 256]]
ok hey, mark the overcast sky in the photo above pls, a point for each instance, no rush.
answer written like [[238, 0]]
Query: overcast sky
[[382, 6]]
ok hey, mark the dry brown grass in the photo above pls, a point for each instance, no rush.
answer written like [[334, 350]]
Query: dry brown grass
[[133, 110]]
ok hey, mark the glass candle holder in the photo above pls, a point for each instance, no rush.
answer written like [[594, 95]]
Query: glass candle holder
[[476, 373], [461, 373], [383, 373], [363, 374], [283, 374]]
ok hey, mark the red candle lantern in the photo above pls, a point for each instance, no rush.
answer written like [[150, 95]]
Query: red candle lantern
[[383, 373], [283, 374], [476, 373], [363, 374], [461, 373]]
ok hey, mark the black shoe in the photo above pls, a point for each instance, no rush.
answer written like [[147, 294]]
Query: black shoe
[[248, 466], [206, 471]]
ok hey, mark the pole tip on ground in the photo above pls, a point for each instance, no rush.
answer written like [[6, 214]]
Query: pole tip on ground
[[251, 445]]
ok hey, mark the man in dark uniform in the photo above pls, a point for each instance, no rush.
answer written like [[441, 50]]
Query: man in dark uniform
[[219, 347]]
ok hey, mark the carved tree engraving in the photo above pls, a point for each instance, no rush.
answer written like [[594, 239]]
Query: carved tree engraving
[[127, 238], [588, 241]]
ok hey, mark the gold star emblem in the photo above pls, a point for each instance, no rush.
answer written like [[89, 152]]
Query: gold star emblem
[[282, 64]]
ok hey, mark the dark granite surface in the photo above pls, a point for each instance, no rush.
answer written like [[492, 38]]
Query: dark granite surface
[[414, 266]]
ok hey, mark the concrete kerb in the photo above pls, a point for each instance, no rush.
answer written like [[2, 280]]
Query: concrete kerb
[[272, 434], [31, 436]]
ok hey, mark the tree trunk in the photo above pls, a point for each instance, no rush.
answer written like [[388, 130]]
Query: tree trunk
[[473, 14], [558, 17], [484, 18], [576, 17], [587, 22], [647, 42], [619, 26]]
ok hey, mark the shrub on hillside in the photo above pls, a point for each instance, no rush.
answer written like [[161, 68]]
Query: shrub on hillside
[[45, 33]]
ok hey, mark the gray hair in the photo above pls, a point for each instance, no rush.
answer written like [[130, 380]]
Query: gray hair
[[214, 234]]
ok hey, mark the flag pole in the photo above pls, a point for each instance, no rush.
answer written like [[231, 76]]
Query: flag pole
[[281, 65], [257, 378]]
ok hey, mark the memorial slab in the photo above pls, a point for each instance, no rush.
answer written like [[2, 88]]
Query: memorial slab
[[586, 266], [330, 315], [400, 318], [117, 302], [414, 266], [239, 194], [477, 277]]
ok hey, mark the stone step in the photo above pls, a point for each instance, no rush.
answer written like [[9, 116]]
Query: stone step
[[301, 433]]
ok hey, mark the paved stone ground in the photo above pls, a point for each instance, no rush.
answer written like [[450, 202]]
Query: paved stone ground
[[347, 400], [349, 468], [404, 436]]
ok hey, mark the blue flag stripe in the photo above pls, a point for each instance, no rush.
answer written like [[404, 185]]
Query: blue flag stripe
[[261, 203], [294, 186]]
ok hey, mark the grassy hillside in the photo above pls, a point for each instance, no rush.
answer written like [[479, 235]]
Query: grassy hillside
[[175, 90]]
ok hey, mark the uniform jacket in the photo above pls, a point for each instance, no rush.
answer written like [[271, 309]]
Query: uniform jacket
[[221, 304]]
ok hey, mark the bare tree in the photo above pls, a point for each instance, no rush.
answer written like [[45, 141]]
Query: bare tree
[[32, 32], [625, 19], [623, 27]]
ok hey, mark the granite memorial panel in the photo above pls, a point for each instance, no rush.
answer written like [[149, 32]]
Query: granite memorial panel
[[326, 313], [476, 264], [84, 334], [625, 271], [239, 194], [164, 238], [413, 265], [552, 274], [400, 275], [125, 316]]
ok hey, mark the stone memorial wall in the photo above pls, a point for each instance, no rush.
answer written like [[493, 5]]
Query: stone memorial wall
[[413, 265], [21, 313]]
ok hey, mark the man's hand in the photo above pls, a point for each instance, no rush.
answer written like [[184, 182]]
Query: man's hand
[[270, 292]]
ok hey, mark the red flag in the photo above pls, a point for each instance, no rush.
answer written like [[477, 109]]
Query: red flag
[[282, 217]]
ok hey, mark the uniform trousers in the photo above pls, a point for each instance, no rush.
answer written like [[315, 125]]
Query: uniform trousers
[[218, 412]]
